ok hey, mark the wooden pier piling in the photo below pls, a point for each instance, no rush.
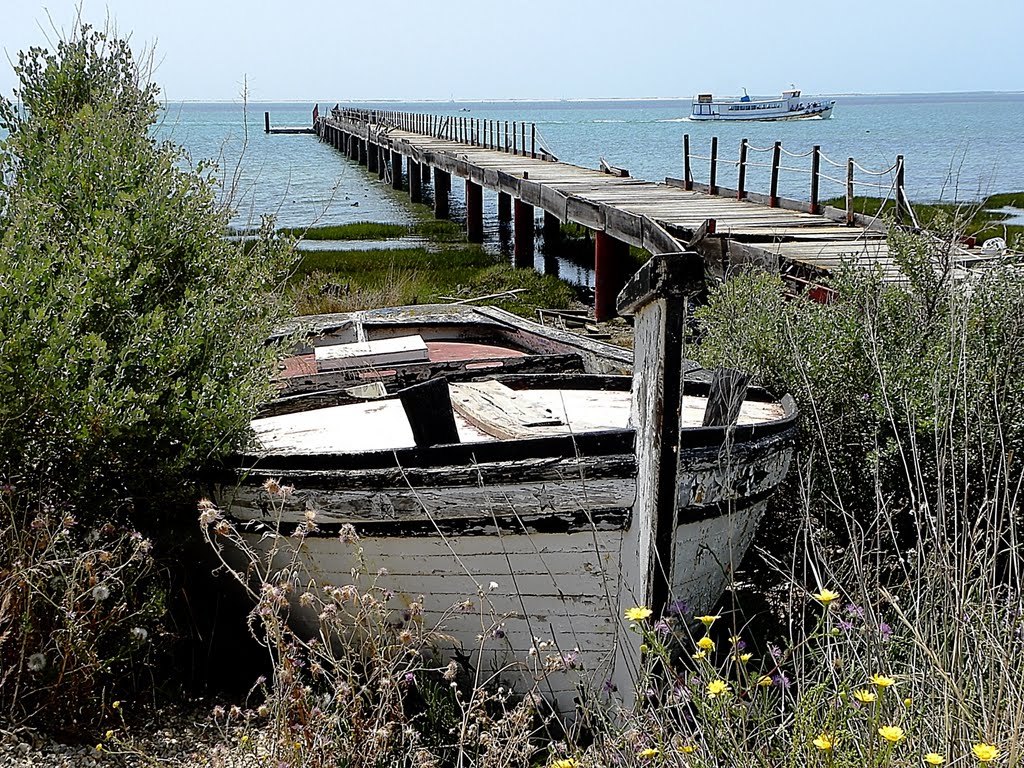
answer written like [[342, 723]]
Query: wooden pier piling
[[474, 212], [415, 182], [522, 243], [442, 188]]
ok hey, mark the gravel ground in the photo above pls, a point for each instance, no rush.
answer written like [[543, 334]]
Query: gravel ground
[[181, 735]]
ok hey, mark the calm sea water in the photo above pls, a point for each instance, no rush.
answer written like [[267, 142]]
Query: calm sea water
[[957, 147]]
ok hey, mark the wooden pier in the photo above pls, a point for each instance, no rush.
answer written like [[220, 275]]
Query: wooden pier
[[730, 228]]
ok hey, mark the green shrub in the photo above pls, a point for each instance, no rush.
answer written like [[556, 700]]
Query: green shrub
[[131, 333]]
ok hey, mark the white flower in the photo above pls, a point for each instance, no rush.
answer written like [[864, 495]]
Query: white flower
[[100, 593], [139, 634], [36, 662]]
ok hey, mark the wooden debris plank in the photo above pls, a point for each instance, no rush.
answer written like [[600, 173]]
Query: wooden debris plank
[[369, 354], [495, 409]]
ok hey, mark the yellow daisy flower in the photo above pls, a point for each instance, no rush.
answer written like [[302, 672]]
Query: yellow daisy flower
[[882, 681], [891, 733], [566, 762], [699, 655], [649, 752], [826, 596], [985, 753], [687, 749], [934, 758], [717, 688], [639, 613], [764, 680], [745, 657], [864, 696], [706, 644], [824, 742], [707, 621]]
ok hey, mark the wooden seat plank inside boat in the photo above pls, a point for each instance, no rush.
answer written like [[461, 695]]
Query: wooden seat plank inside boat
[[437, 351], [751, 412]]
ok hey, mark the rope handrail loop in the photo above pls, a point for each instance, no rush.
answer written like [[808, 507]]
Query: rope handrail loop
[[830, 161], [841, 182], [886, 172], [752, 148], [873, 184], [785, 151]]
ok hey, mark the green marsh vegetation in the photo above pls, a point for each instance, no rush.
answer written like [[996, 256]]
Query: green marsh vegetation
[[131, 339], [980, 220], [446, 267]]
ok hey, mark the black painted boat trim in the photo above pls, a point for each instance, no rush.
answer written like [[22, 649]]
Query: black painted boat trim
[[704, 512], [582, 521]]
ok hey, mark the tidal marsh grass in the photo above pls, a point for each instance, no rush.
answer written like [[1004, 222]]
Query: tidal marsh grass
[[343, 281], [436, 230]]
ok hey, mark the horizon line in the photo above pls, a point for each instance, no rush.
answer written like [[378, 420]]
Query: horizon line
[[579, 99]]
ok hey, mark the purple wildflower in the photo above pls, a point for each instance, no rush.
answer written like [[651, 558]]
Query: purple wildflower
[[609, 687], [663, 628], [855, 610], [846, 626], [885, 630], [781, 681], [775, 651], [677, 608]]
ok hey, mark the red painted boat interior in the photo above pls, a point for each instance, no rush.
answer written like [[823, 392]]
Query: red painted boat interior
[[437, 352]]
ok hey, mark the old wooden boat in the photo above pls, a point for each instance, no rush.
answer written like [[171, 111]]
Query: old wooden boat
[[539, 490]]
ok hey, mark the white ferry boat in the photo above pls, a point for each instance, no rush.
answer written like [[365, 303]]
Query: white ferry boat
[[791, 106]]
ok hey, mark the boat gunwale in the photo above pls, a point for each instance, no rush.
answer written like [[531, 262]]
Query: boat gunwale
[[590, 443]]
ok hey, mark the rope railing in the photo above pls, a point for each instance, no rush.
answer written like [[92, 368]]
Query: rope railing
[[894, 189]]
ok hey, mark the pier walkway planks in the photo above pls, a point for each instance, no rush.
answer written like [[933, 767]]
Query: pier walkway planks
[[660, 217]]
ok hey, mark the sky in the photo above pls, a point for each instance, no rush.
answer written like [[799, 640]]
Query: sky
[[213, 50]]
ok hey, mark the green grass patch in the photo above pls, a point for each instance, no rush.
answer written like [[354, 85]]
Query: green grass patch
[[435, 230], [360, 230], [344, 281], [975, 219]]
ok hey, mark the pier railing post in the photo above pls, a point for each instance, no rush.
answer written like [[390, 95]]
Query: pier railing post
[[687, 175], [741, 179], [849, 192], [815, 174], [713, 168], [522, 143], [773, 194], [506, 136], [533, 140], [266, 122], [899, 189], [515, 134]]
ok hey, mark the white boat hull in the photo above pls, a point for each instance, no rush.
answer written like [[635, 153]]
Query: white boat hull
[[595, 494]]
